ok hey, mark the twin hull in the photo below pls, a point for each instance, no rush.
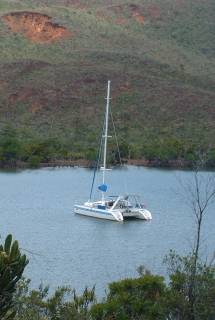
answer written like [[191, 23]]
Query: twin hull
[[115, 215]]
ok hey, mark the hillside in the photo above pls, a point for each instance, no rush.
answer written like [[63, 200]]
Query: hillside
[[56, 58]]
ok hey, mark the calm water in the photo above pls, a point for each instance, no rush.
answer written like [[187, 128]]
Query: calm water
[[67, 249]]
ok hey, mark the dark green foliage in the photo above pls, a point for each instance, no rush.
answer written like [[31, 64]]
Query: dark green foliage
[[119, 152], [171, 149], [9, 151], [168, 150], [34, 161], [189, 295], [12, 265], [147, 297], [190, 158], [63, 304], [132, 299], [90, 155], [41, 150]]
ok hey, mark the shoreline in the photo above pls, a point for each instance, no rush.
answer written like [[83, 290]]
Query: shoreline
[[86, 164]]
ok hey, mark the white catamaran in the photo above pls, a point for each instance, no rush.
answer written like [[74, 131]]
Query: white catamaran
[[115, 207]]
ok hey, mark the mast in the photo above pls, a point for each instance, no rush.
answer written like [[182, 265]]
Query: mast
[[105, 137]]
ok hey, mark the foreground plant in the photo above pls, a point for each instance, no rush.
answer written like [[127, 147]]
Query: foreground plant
[[12, 265]]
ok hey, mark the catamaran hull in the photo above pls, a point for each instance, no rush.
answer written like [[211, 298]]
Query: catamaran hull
[[98, 213], [114, 215], [142, 214]]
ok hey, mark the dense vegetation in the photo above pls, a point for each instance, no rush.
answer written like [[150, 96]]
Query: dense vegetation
[[147, 297], [159, 56], [169, 151]]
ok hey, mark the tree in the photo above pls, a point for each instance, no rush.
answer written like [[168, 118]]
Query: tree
[[8, 130], [34, 161], [167, 150], [199, 194], [90, 156], [191, 291], [63, 304], [189, 275], [135, 298], [170, 149], [10, 149], [12, 265]]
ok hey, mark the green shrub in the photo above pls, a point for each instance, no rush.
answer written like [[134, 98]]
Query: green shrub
[[34, 161]]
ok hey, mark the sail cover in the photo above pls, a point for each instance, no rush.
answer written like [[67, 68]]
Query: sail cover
[[102, 187]]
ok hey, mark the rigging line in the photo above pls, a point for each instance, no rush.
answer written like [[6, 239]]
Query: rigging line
[[117, 144], [97, 158]]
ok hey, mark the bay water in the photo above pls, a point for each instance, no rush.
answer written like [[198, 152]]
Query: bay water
[[68, 249]]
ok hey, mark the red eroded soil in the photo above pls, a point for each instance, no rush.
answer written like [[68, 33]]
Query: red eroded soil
[[127, 87], [138, 17], [102, 15], [23, 94], [136, 12], [37, 105], [36, 26]]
